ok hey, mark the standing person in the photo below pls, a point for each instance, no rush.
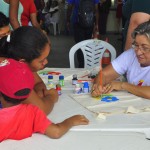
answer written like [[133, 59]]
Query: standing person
[[4, 25], [30, 45], [13, 10], [135, 63], [53, 13], [81, 31], [20, 12], [29, 13], [48, 5], [123, 18], [18, 121], [103, 8], [40, 4], [123, 25], [135, 12], [119, 14]]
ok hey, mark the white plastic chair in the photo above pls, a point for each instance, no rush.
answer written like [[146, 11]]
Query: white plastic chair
[[54, 20], [55, 27], [93, 51]]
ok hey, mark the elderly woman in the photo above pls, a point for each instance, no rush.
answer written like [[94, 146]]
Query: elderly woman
[[135, 63]]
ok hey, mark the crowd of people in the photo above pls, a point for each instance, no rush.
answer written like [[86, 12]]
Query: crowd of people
[[24, 50]]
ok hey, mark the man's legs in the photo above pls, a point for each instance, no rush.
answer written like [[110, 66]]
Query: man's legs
[[81, 34]]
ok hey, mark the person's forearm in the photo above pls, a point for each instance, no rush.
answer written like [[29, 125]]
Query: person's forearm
[[129, 37], [39, 86], [135, 20], [37, 25], [14, 23], [106, 77], [34, 21], [46, 104], [13, 13], [62, 128], [57, 130], [142, 91], [50, 99]]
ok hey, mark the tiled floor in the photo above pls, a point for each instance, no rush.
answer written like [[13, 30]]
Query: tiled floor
[[61, 44]]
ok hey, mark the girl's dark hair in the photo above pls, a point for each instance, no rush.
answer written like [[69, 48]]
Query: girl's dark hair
[[26, 42], [4, 21], [3, 46], [22, 92]]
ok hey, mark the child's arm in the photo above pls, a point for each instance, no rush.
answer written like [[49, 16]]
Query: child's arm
[[39, 85], [46, 103], [40, 89], [57, 130]]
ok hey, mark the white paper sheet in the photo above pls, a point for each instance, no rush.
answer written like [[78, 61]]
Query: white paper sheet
[[127, 103]]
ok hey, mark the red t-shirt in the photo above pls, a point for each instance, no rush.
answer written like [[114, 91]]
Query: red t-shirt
[[28, 8], [20, 121]]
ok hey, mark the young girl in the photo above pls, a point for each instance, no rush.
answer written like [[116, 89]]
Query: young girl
[[19, 121], [30, 45]]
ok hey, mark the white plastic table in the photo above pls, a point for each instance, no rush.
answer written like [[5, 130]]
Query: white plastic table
[[80, 140], [67, 107], [117, 132]]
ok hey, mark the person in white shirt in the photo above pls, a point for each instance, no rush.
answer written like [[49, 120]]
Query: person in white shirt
[[135, 63]]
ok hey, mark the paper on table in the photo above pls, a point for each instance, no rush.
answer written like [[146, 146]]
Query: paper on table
[[133, 110], [127, 103]]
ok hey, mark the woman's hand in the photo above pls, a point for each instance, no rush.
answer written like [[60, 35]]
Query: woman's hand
[[96, 90], [114, 85]]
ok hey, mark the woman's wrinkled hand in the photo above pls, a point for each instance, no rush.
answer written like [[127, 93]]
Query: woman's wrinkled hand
[[96, 90], [115, 85]]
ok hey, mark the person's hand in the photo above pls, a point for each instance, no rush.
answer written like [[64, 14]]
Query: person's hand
[[115, 85], [51, 93], [39, 89], [78, 120], [96, 90], [59, 129], [44, 32]]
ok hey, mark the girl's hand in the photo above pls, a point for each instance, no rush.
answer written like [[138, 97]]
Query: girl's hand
[[78, 120]]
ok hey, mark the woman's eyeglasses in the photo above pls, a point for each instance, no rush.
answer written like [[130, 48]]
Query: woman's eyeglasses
[[143, 48]]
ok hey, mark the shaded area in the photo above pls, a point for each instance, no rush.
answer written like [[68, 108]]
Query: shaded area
[[61, 44]]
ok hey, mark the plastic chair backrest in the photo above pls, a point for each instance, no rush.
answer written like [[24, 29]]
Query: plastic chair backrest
[[93, 51]]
